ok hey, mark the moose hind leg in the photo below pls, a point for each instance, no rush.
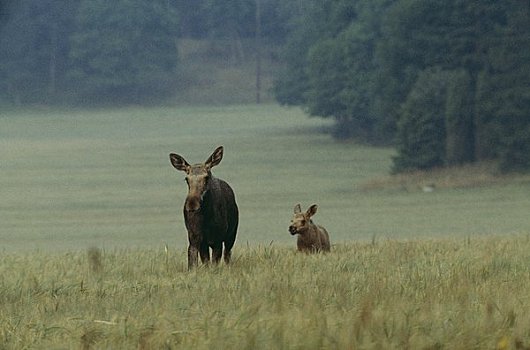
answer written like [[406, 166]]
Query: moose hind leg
[[227, 255], [228, 247], [217, 252]]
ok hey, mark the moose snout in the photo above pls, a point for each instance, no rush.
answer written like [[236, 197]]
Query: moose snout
[[192, 204], [292, 230]]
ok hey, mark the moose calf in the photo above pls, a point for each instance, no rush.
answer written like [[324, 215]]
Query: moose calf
[[311, 238], [210, 210]]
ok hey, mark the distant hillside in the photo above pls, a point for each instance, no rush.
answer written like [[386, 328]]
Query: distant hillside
[[223, 72]]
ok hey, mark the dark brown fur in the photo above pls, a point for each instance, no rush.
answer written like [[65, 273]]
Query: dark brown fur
[[210, 210], [311, 238]]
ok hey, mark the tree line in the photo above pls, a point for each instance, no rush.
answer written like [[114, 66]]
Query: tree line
[[447, 82], [86, 51]]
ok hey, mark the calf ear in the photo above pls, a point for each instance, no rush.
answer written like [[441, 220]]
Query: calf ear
[[297, 209], [312, 210], [215, 158], [179, 162]]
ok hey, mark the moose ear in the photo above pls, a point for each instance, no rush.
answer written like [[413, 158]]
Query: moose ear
[[215, 158], [297, 209], [179, 162], [312, 210]]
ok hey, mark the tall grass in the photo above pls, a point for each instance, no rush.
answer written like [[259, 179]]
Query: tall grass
[[468, 293]]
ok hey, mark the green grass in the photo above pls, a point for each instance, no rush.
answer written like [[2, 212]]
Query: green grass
[[71, 179], [424, 294], [89, 201]]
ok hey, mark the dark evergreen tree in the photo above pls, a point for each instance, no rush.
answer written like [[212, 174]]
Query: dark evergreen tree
[[5, 9], [488, 129], [362, 66], [459, 113], [192, 22], [325, 77], [309, 24], [332, 69], [208, 19], [488, 50], [508, 81], [421, 128], [124, 50], [364, 117], [33, 49]]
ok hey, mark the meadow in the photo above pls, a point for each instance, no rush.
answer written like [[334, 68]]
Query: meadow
[[92, 238], [73, 179], [389, 294]]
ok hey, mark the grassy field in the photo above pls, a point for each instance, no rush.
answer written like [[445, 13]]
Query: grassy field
[[389, 294], [92, 239], [74, 179]]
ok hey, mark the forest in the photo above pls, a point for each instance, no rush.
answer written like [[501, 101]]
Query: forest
[[85, 52], [445, 82]]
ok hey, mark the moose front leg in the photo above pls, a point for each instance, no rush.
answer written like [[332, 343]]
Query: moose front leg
[[204, 252], [193, 259]]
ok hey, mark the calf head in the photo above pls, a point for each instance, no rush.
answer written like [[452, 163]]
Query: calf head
[[301, 221], [198, 177]]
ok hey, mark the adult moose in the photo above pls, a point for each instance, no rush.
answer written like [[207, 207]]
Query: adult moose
[[210, 210]]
